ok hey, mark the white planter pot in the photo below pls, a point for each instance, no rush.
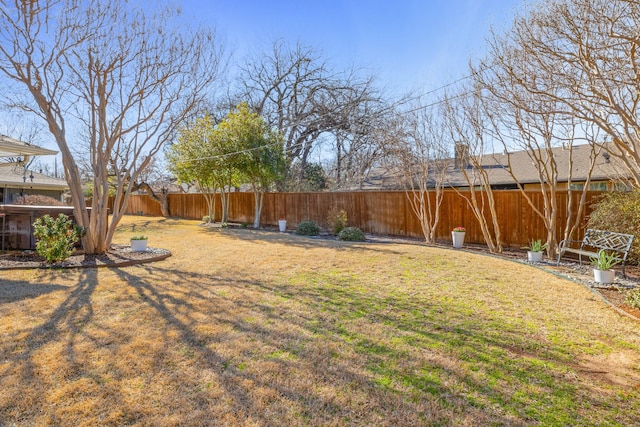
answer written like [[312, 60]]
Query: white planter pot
[[604, 276], [458, 238], [138, 245], [534, 256], [282, 225]]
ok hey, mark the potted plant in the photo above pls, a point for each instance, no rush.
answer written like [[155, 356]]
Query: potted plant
[[139, 243], [282, 225], [602, 272], [457, 234], [535, 249]]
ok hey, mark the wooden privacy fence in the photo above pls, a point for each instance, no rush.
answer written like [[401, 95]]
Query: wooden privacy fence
[[380, 212]]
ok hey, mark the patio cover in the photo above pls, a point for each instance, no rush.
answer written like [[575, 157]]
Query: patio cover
[[10, 147]]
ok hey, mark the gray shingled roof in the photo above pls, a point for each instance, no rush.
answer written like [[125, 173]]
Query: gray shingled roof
[[526, 172], [11, 176]]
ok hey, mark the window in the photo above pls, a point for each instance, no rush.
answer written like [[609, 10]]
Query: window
[[598, 186], [578, 187], [622, 186]]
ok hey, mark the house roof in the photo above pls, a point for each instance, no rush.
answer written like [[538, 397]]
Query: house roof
[[577, 160], [15, 177], [10, 147], [496, 166]]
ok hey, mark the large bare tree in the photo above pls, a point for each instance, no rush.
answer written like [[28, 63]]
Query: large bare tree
[[465, 115], [300, 95], [521, 121], [416, 151], [581, 56], [114, 78]]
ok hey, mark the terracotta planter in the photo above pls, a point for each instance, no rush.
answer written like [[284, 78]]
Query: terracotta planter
[[458, 238]]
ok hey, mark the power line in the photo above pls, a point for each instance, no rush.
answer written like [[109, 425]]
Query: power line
[[389, 108]]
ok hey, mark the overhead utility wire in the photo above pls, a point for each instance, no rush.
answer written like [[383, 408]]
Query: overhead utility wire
[[401, 102]]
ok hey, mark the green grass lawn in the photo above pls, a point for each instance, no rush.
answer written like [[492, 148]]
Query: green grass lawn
[[245, 327]]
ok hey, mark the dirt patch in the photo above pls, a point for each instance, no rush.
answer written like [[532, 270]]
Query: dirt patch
[[617, 298], [614, 369], [118, 256]]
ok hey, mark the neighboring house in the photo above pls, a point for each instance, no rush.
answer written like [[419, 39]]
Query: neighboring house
[[16, 181], [607, 175]]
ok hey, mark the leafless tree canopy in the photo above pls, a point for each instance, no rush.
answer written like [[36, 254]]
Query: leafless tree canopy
[[579, 59], [299, 94], [109, 77], [416, 153]]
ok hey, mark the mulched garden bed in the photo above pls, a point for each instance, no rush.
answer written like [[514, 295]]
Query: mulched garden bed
[[118, 256]]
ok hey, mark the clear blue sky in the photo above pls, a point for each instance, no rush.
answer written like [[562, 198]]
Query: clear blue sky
[[408, 44]]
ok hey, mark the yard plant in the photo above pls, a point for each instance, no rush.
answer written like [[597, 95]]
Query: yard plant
[[336, 220], [286, 330], [308, 228], [55, 237], [352, 234], [537, 246], [605, 260]]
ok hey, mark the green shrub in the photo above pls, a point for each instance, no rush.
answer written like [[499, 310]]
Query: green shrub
[[308, 228], [351, 234], [206, 219], [633, 298], [619, 212], [337, 220], [55, 237]]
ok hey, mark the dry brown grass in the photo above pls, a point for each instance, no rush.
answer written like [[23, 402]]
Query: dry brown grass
[[243, 327]]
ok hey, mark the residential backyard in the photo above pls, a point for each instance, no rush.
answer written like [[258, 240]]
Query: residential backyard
[[258, 328]]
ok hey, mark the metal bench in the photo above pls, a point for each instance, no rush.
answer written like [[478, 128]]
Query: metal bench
[[596, 241]]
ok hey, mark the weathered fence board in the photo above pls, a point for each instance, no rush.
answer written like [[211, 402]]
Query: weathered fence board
[[379, 212]]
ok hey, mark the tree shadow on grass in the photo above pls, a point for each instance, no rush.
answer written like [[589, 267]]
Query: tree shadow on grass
[[12, 290], [62, 326], [308, 353], [315, 338], [302, 242]]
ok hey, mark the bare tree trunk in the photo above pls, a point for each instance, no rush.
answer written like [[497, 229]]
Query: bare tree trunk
[[125, 95], [162, 197]]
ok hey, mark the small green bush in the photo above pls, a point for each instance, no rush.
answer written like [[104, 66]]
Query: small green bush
[[206, 219], [337, 220], [351, 234], [308, 228], [633, 298], [55, 238], [619, 212]]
